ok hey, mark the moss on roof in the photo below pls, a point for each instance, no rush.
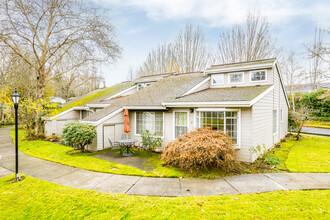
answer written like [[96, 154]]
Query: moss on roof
[[95, 97]]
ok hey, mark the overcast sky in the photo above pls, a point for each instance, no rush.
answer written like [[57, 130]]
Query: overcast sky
[[144, 24]]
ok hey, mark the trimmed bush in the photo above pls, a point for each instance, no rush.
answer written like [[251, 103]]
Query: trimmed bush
[[202, 149], [78, 135]]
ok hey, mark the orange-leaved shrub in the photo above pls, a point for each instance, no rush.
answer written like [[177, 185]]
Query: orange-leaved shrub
[[202, 149]]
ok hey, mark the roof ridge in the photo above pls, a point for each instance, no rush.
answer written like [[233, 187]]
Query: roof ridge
[[251, 61]]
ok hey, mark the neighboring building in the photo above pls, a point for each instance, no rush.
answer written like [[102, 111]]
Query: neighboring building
[[83, 106], [57, 100], [309, 87], [247, 100]]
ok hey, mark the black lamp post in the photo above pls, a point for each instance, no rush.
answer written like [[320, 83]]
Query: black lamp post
[[15, 98]]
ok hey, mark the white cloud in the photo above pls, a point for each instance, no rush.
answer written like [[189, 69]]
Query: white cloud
[[228, 12]]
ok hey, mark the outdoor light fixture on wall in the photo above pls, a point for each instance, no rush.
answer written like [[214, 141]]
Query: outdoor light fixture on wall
[[15, 98]]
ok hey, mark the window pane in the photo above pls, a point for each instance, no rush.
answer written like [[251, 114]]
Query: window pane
[[217, 79], [258, 76], [151, 121], [236, 77], [216, 121], [180, 123], [274, 121]]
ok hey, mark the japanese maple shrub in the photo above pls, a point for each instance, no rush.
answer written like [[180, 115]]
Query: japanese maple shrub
[[202, 149], [79, 135]]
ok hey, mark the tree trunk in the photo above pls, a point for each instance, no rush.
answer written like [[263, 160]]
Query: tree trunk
[[41, 84], [299, 130]]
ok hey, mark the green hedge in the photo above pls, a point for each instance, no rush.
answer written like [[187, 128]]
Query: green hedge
[[319, 101]]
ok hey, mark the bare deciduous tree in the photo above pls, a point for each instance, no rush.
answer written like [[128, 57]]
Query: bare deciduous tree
[[44, 32], [130, 76], [292, 74], [251, 41], [187, 53], [319, 55]]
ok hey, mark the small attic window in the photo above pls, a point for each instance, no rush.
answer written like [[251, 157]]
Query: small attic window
[[235, 77], [217, 79], [257, 76]]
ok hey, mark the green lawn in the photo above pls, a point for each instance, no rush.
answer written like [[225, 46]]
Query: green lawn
[[312, 154], [39, 199], [59, 153], [317, 124]]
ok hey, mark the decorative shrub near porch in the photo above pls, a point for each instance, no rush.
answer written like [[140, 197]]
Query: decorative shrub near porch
[[78, 135], [202, 149]]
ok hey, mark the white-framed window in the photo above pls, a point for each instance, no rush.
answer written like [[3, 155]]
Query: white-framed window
[[226, 121], [217, 79], [258, 76], [281, 115], [180, 123], [151, 121], [235, 78], [275, 121]]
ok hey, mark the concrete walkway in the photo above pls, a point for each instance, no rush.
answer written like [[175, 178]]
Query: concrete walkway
[[135, 185], [316, 131]]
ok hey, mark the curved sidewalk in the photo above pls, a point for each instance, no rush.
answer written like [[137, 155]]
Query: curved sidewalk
[[74, 177]]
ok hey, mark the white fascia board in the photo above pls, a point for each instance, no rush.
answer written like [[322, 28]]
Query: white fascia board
[[96, 123], [120, 93], [80, 108], [240, 68], [197, 86], [145, 107], [282, 85], [208, 104], [256, 99], [97, 105], [62, 113]]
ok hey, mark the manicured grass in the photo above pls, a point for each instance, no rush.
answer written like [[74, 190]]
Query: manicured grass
[[311, 154], [317, 124], [61, 154], [39, 199]]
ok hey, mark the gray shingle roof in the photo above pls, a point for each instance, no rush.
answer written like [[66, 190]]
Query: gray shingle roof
[[224, 94], [164, 90], [151, 78]]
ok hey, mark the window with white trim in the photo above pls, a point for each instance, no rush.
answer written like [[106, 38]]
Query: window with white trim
[[181, 123], [220, 120], [236, 77], [217, 79], [259, 75], [151, 121], [274, 121]]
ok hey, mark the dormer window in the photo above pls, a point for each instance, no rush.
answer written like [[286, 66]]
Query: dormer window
[[217, 79], [257, 76], [235, 78]]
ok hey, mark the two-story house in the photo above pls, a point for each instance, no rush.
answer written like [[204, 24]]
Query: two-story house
[[246, 100]]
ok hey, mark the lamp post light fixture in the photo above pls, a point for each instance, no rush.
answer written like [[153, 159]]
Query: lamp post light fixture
[[15, 98]]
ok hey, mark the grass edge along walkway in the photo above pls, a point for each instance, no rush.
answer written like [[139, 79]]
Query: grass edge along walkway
[[34, 198], [59, 153]]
